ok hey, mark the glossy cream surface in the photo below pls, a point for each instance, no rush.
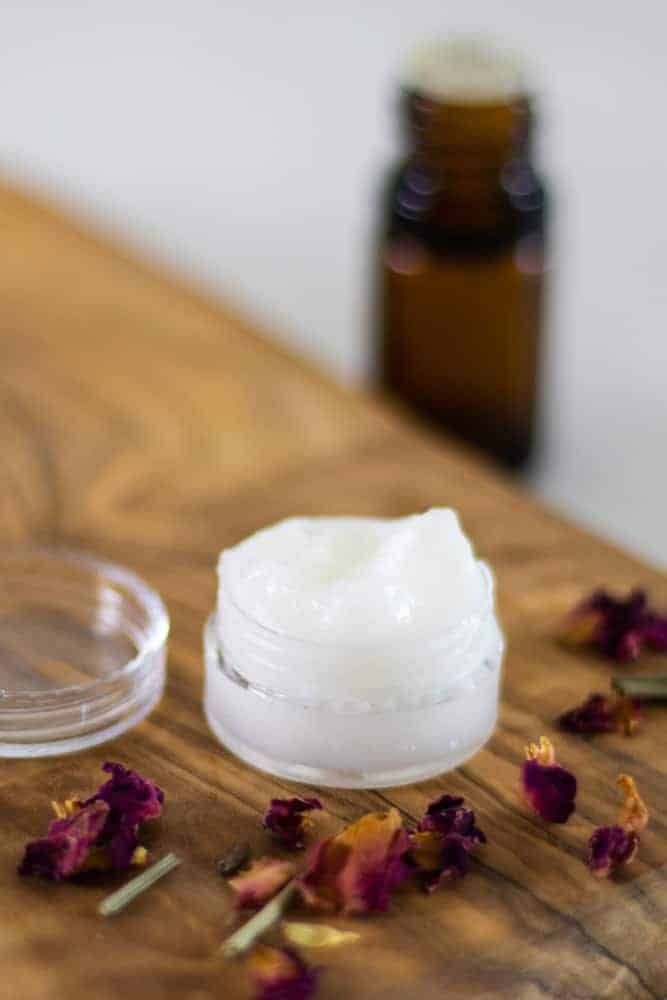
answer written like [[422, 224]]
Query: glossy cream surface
[[355, 580]]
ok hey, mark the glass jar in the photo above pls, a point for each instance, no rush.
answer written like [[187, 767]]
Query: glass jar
[[352, 715], [462, 252]]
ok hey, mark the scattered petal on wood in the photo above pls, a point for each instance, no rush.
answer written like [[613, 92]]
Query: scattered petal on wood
[[600, 713], [357, 870], [280, 974], [549, 789], [633, 814], [317, 935], [612, 847], [289, 822], [261, 881], [619, 627]]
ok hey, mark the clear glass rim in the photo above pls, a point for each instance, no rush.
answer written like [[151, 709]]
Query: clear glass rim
[[214, 659], [146, 596]]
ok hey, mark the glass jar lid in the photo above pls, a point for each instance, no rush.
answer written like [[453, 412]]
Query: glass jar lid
[[82, 651]]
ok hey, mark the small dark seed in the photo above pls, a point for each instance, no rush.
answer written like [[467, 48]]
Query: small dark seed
[[237, 856]]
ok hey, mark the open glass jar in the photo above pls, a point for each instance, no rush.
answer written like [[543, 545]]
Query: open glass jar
[[357, 715]]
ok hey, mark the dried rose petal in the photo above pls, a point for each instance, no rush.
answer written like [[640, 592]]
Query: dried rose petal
[[618, 627], [449, 815], [131, 799], [280, 974], [595, 715], [288, 822], [655, 632], [441, 845], [357, 870], [620, 633], [118, 807], [633, 814], [601, 714], [437, 857], [548, 788], [609, 848], [261, 881], [67, 845], [610, 623]]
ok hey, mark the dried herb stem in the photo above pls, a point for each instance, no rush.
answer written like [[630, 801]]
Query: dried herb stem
[[263, 920], [118, 900], [648, 687]]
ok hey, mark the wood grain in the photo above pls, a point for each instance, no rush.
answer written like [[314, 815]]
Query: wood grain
[[144, 422]]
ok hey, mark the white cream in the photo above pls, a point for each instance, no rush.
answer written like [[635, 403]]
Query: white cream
[[355, 579], [354, 651]]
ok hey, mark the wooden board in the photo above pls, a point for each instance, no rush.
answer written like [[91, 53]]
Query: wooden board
[[141, 421]]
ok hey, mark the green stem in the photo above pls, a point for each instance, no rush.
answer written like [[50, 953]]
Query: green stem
[[245, 936], [651, 688], [118, 900]]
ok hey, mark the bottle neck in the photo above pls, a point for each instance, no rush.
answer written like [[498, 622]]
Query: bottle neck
[[468, 137], [463, 152]]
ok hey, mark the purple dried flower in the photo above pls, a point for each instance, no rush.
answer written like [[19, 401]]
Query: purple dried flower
[[609, 848], [618, 627], [131, 800], [601, 714], [441, 846], [655, 632], [281, 974], [436, 857], [288, 821], [449, 815], [548, 788], [105, 824], [65, 849]]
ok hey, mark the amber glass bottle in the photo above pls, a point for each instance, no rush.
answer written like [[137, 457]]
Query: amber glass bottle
[[462, 265]]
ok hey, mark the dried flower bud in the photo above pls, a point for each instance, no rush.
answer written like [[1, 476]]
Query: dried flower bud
[[548, 788], [611, 847], [288, 820], [445, 837]]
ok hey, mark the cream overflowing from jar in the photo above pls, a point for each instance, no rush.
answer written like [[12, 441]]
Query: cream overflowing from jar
[[357, 646]]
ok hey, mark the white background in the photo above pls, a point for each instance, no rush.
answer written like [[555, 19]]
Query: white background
[[244, 143]]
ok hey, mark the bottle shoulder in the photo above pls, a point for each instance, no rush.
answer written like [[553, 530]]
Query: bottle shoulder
[[441, 211]]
